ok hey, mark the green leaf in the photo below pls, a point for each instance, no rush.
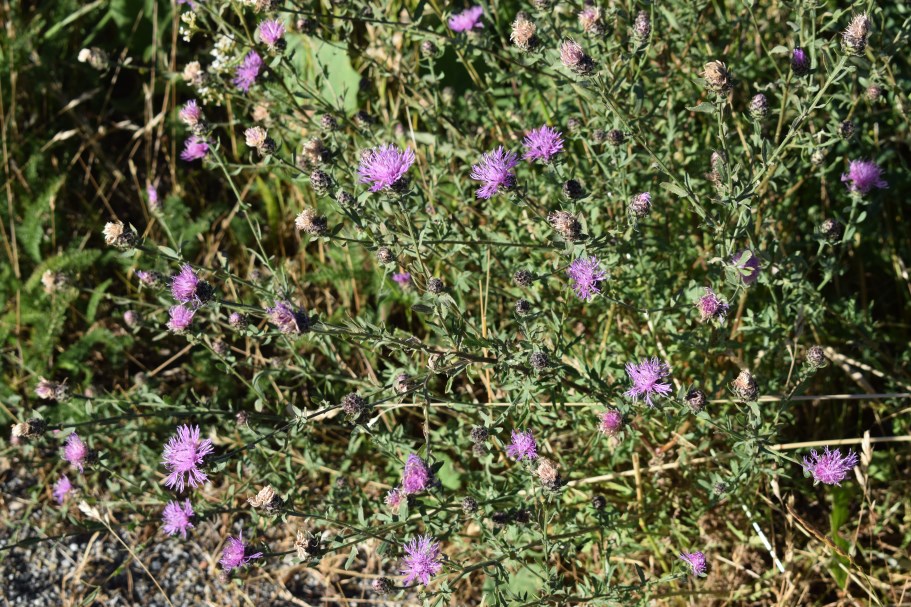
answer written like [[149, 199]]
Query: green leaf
[[705, 106]]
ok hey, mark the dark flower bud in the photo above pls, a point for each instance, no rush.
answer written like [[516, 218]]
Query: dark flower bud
[[744, 387], [428, 48], [800, 62], [695, 400], [402, 383], [523, 278], [345, 199], [479, 450], [521, 516], [642, 28], [499, 518], [479, 434], [538, 360], [237, 320], [469, 505], [759, 106], [816, 357], [382, 586], [363, 119], [384, 255], [435, 286], [573, 125], [832, 230], [321, 181], [598, 502], [640, 205], [355, 407], [846, 129], [241, 419], [573, 190], [615, 137], [599, 136], [720, 488], [523, 307], [328, 122], [873, 93]]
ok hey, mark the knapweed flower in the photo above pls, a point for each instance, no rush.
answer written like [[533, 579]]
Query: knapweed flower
[[829, 468], [759, 106], [183, 454], [288, 318], [422, 560], [711, 307], [186, 286], [467, 20], [574, 58], [75, 451], [416, 475], [566, 224], [176, 518], [271, 32], [800, 62], [394, 499], [181, 318], [745, 387], [116, 234], [591, 20], [149, 279], [194, 148], [62, 488], [611, 422], [152, 197], [524, 32], [247, 72], [523, 446], [646, 378], [585, 273], [854, 37], [640, 205], [384, 167], [191, 114], [495, 171], [402, 278], [747, 265], [696, 561], [542, 144], [236, 554], [863, 176]]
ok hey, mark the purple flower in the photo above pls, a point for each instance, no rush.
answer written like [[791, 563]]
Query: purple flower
[[416, 476], [467, 20], [712, 307], [863, 176], [696, 561], [152, 193], [402, 278], [585, 274], [542, 143], [176, 518], [800, 62], [271, 32], [183, 285], [495, 172], [183, 454], [611, 422], [247, 71], [147, 278], [394, 499], [181, 317], [235, 553], [194, 148], [62, 488], [748, 268], [288, 318], [422, 560], [646, 378], [190, 114], [523, 446], [75, 451], [384, 167], [831, 467]]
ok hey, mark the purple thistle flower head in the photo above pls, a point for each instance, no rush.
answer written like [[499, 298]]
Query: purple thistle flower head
[[152, 194], [696, 561], [190, 114], [611, 422], [863, 176], [831, 467], [646, 378], [247, 72], [748, 268], [288, 318], [183, 454], [176, 518], [495, 172], [194, 148], [800, 62], [542, 144], [271, 32], [422, 560], [467, 20], [62, 488], [184, 284], [416, 476], [75, 451], [235, 553], [585, 273], [523, 446], [402, 278], [712, 307], [384, 167], [394, 498], [181, 318]]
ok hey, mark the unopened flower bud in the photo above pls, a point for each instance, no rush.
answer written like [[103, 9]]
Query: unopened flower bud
[[479, 434], [523, 278], [429, 49], [640, 205], [615, 137], [873, 93], [321, 182], [832, 230], [598, 502], [816, 357], [523, 307], [573, 125], [237, 320], [744, 387], [800, 62], [538, 361], [382, 586], [402, 383], [695, 400], [846, 129], [573, 190], [642, 28], [384, 255], [759, 106], [469, 505], [435, 286], [355, 407]]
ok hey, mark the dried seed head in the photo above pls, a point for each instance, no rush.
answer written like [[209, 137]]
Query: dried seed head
[[363, 119], [308, 546], [402, 383], [382, 586], [818, 157], [241, 419], [832, 230], [548, 474], [435, 286], [194, 75], [854, 38], [523, 278], [640, 205], [744, 387], [695, 400], [874, 92], [469, 505], [524, 33], [266, 499], [384, 255], [311, 223], [51, 390], [599, 136], [53, 281], [615, 137], [32, 428], [321, 182], [717, 78], [816, 357], [538, 361], [307, 25], [575, 59], [95, 57], [566, 224], [759, 106], [542, 5], [591, 20], [429, 49], [573, 190], [479, 435], [328, 123], [523, 307], [573, 125], [118, 235]]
